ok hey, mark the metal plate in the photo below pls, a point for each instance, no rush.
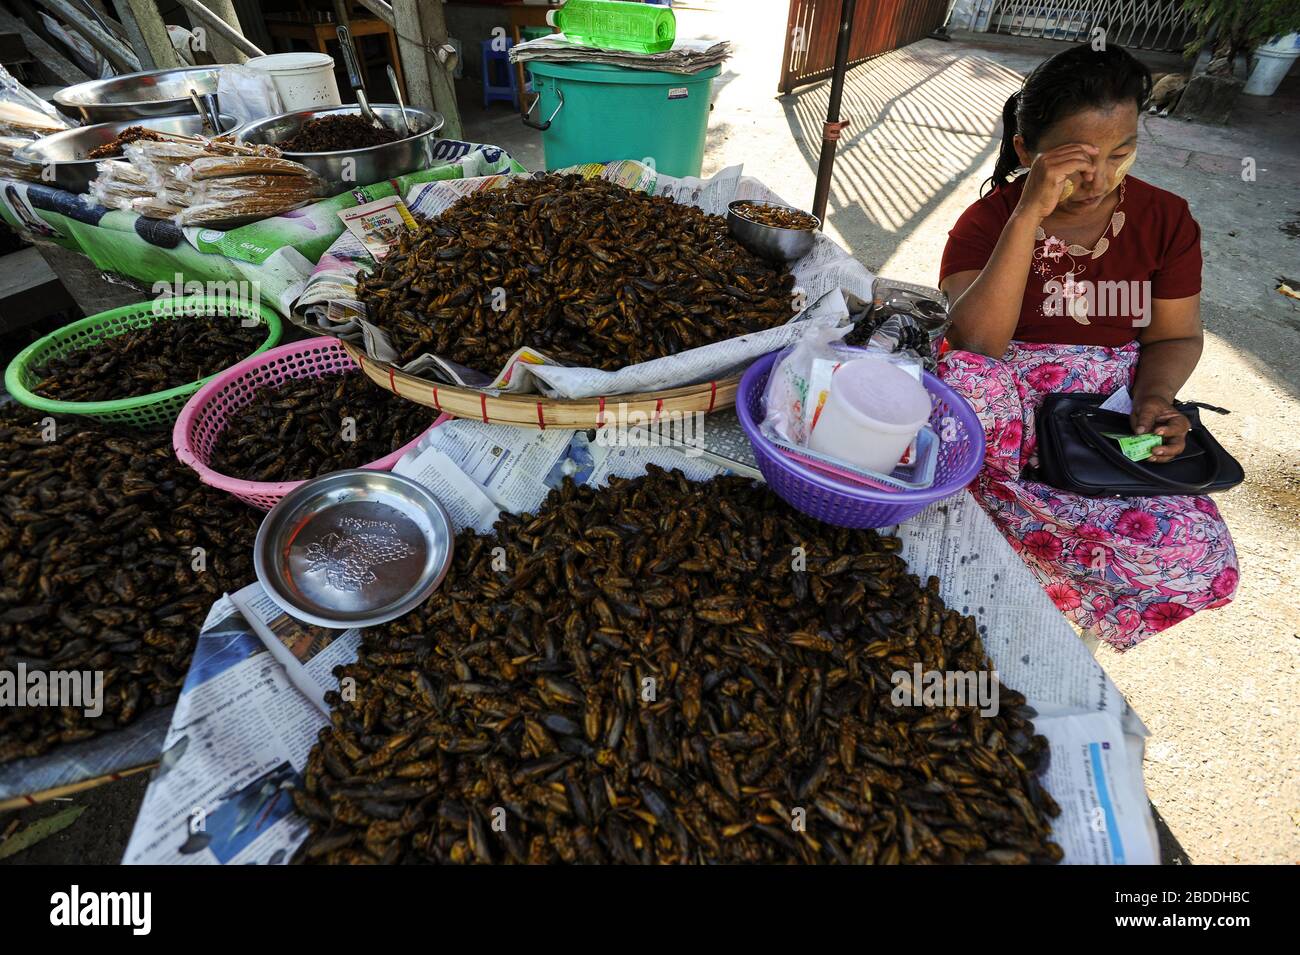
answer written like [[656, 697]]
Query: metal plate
[[353, 549]]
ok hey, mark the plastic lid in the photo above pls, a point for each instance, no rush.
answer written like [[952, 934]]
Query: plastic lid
[[881, 393], [550, 18], [290, 62]]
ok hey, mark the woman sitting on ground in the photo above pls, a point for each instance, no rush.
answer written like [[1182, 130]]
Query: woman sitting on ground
[[1086, 288]]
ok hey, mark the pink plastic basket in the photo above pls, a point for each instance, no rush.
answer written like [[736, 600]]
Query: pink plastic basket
[[203, 417]]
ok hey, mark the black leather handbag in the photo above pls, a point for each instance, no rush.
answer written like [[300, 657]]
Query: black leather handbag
[[1074, 454]]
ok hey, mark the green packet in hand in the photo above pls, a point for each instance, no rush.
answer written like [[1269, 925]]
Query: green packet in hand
[[1136, 447]]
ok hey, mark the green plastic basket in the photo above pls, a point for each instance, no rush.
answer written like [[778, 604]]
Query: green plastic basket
[[157, 410]]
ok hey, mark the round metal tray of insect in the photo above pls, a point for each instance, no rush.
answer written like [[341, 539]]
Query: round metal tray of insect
[[776, 232], [354, 549]]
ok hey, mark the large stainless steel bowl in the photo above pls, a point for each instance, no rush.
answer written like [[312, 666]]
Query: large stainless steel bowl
[[349, 168], [64, 154], [137, 95]]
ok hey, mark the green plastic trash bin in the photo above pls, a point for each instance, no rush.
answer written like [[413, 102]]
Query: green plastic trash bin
[[591, 112]]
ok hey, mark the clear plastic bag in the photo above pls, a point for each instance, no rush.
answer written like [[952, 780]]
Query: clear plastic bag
[[801, 378], [247, 94], [798, 387], [24, 118], [23, 114]]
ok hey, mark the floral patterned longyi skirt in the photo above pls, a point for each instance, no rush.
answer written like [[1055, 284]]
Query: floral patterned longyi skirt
[[1121, 569]]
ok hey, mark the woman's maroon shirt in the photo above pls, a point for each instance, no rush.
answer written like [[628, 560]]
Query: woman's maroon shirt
[[1152, 249]]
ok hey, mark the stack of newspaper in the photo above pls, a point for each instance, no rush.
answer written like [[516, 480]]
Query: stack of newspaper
[[686, 56]]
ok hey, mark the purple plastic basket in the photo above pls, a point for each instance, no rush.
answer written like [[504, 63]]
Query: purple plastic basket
[[844, 505]]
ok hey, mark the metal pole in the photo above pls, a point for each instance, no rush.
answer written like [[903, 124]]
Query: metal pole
[[380, 8], [209, 19], [832, 127]]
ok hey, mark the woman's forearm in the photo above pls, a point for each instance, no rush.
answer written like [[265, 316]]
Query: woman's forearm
[[1164, 367], [984, 317]]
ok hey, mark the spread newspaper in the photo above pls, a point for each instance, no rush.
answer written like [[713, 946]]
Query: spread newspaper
[[253, 701]]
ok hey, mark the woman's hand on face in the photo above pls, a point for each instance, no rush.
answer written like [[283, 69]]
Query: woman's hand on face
[[1157, 416], [1048, 174]]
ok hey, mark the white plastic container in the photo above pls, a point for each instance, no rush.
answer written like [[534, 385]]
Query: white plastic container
[[303, 80], [1273, 61], [872, 413]]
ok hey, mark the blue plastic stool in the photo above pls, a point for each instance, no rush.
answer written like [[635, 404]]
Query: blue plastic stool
[[498, 62]]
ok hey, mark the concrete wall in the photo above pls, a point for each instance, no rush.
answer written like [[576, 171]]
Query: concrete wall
[[471, 24]]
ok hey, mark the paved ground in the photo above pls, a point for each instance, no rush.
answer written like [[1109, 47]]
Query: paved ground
[[1217, 692]]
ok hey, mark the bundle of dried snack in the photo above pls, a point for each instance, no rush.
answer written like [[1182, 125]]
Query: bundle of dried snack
[[215, 167], [193, 180], [11, 168], [119, 182], [24, 117], [23, 114]]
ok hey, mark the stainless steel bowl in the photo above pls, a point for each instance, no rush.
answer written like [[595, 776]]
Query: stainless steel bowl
[[137, 95], [779, 245], [348, 168], [353, 548], [64, 153]]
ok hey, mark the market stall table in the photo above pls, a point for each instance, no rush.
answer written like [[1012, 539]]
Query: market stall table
[[265, 703], [249, 710]]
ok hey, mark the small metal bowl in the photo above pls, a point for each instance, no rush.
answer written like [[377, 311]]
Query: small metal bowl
[[137, 95], [778, 245], [64, 152], [353, 549], [348, 168]]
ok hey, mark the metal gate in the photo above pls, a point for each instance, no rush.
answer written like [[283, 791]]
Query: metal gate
[[1141, 24], [878, 27]]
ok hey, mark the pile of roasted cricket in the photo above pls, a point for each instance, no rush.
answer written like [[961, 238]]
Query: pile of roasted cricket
[[111, 553], [669, 671], [167, 354], [584, 270], [307, 427]]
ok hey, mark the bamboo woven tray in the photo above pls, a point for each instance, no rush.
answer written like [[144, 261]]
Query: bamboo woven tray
[[538, 411]]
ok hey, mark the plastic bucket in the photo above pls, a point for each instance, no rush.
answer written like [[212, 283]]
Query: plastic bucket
[[303, 80], [1273, 60], [873, 412], [593, 113]]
